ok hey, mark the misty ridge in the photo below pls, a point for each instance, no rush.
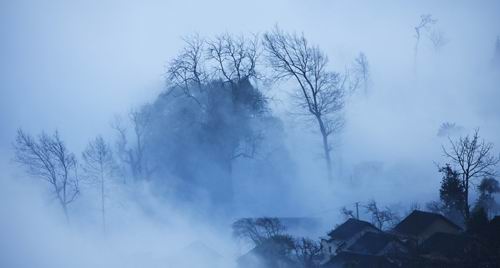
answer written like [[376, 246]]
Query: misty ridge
[[268, 149]]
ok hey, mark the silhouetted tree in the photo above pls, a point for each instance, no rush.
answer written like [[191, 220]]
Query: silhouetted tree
[[235, 58], [187, 70], [438, 39], [320, 92], [472, 158], [381, 217], [452, 194], [487, 188], [131, 148], [306, 252], [99, 165], [425, 24], [362, 70], [48, 158], [258, 230], [496, 53], [478, 222]]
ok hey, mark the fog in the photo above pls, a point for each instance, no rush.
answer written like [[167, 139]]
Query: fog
[[75, 65]]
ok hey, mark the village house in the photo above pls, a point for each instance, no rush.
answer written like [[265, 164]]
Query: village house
[[344, 236], [420, 225], [378, 244]]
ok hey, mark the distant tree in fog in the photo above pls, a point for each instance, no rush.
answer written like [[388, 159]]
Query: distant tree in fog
[[211, 115], [234, 57], [132, 149], [438, 39], [226, 57], [381, 217], [99, 164], [496, 53], [187, 70], [306, 252], [447, 129], [451, 196], [487, 188], [424, 26], [258, 230], [320, 92], [347, 213], [47, 157], [362, 70], [472, 158]]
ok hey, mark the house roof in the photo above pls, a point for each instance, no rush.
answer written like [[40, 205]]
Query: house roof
[[372, 243], [349, 228], [418, 221], [349, 259]]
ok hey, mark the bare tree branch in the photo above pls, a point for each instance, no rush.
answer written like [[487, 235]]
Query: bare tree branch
[[48, 158]]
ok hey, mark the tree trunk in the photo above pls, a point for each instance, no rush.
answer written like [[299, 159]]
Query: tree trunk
[[326, 148], [65, 210], [466, 199], [102, 205]]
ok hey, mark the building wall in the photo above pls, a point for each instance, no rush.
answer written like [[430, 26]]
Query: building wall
[[437, 226], [329, 248]]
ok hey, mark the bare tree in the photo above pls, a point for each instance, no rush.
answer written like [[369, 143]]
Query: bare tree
[[306, 252], [99, 164], [133, 154], [187, 70], [381, 217], [48, 158], [320, 93], [472, 158], [438, 39], [425, 25], [234, 57], [258, 230], [362, 70], [347, 213]]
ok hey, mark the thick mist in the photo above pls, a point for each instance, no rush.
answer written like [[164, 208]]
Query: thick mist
[[76, 66]]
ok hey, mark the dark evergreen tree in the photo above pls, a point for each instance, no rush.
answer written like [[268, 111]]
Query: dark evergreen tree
[[486, 200], [452, 194]]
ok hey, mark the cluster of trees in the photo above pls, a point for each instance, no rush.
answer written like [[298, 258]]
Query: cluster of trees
[[383, 218], [47, 157], [210, 118], [471, 163], [270, 234]]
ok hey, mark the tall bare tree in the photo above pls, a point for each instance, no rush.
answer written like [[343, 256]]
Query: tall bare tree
[[47, 157], [381, 216], [234, 57], [362, 70], [425, 25], [306, 252], [320, 92], [99, 165], [132, 149], [258, 230], [472, 158], [438, 39], [187, 70]]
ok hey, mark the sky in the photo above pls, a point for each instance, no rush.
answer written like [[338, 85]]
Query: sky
[[74, 65]]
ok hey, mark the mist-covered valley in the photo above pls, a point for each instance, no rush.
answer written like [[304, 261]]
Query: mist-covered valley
[[227, 134]]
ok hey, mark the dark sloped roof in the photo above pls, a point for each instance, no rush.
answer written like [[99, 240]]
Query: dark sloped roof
[[418, 221], [349, 228], [372, 243], [348, 259]]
